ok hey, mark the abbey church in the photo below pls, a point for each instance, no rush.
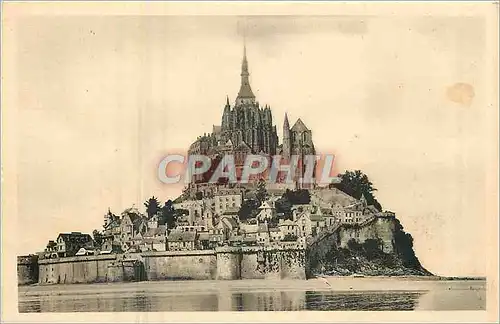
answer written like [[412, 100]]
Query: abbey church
[[247, 128]]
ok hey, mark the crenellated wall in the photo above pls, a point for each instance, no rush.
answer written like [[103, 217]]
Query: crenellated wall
[[224, 263]]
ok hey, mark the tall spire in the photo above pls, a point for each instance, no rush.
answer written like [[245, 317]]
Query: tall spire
[[286, 125], [245, 94], [287, 145]]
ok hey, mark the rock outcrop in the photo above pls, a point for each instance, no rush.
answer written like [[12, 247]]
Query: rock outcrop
[[379, 247]]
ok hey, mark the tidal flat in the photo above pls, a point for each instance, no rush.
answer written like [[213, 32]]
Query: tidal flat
[[318, 294]]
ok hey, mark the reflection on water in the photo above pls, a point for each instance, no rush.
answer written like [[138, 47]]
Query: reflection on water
[[130, 300]]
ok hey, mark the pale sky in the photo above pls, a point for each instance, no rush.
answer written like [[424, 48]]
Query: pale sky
[[102, 99]]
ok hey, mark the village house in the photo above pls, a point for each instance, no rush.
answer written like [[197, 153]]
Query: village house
[[275, 234], [227, 227], [263, 237], [133, 224], [215, 240], [181, 241], [194, 208], [317, 223], [288, 228], [329, 218], [69, 243], [110, 246], [304, 224], [155, 239], [266, 212], [191, 228], [50, 250], [204, 241], [222, 202], [85, 251], [353, 214], [249, 230], [207, 218]]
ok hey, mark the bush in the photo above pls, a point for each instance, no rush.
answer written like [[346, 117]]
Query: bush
[[353, 245]]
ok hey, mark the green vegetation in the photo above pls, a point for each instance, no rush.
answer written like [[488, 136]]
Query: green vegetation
[[249, 209], [152, 206], [290, 198], [357, 184]]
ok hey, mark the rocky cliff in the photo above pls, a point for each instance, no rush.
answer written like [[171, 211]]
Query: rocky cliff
[[379, 247]]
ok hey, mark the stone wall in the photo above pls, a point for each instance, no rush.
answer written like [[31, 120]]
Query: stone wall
[[225, 263], [81, 269], [381, 228], [27, 269], [200, 264], [228, 263]]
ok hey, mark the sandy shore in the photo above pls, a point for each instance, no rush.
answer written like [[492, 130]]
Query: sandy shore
[[213, 286]]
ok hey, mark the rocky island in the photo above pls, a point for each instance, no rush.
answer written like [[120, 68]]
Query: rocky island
[[274, 225]]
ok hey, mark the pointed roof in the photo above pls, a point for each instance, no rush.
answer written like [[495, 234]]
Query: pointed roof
[[299, 126], [245, 89], [243, 147], [286, 125], [265, 205]]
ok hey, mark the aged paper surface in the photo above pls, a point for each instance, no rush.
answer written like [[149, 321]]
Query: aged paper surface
[[94, 95]]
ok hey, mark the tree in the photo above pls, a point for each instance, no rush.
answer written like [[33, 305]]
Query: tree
[[372, 248], [283, 206], [354, 245], [298, 197], [249, 209], [356, 184], [261, 193], [98, 237], [153, 206], [167, 215]]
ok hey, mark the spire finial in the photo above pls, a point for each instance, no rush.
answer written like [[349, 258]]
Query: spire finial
[[227, 100], [245, 94], [244, 46]]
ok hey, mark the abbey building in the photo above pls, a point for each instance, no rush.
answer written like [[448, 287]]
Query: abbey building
[[247, 128]]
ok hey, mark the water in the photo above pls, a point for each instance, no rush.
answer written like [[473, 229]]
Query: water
[[257, 295]]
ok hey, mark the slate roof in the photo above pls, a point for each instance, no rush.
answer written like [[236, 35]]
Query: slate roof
[[160, 230], [299, 126], [75, 237], [316, 218], [229, 221], [178, 236], [287, 223]]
